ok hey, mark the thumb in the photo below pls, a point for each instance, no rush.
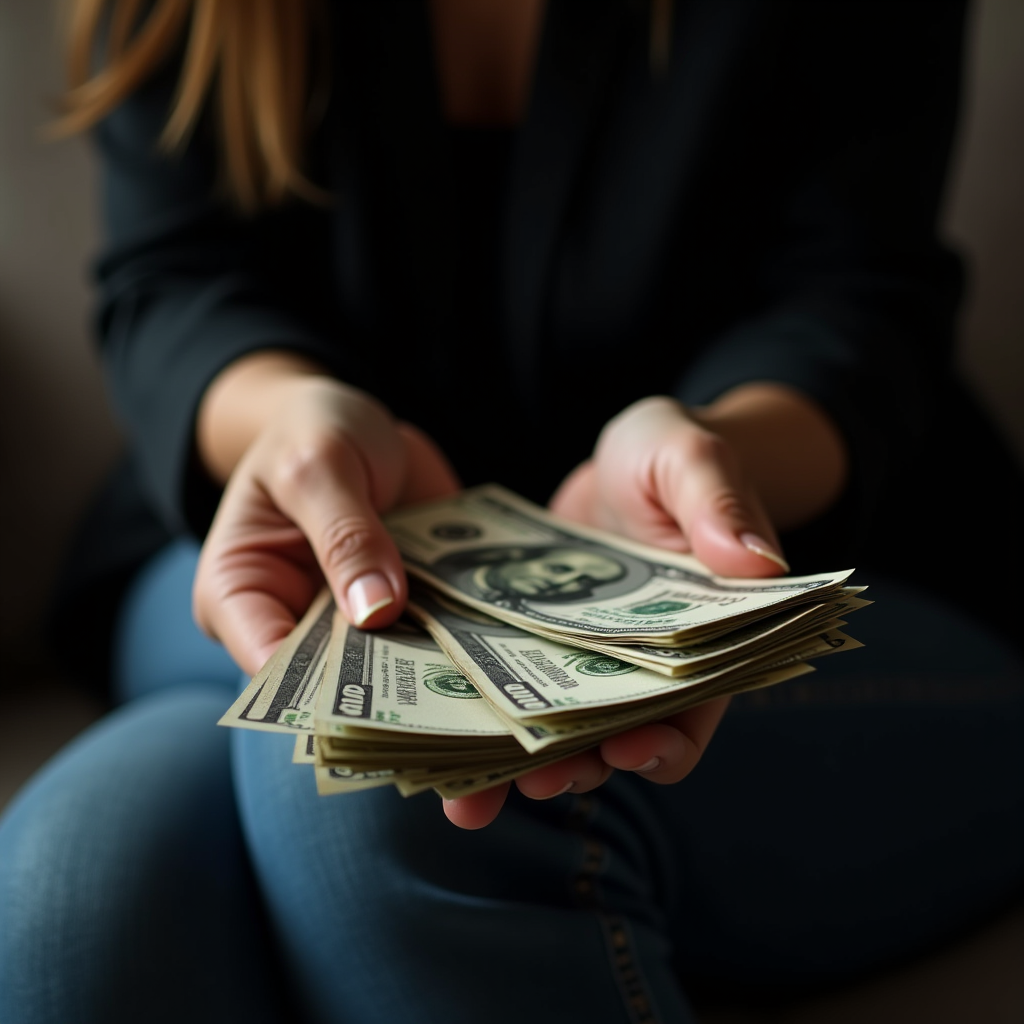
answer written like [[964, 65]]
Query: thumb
[[722, 519], [327, 494]]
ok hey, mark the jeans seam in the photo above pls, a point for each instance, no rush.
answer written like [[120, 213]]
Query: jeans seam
[[618, 939]]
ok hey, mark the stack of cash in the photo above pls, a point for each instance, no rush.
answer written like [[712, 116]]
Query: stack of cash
[[527, 639]]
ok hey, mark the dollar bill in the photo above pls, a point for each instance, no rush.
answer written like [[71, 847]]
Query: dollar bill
[[525, 676], [752, 638], [338, 780], [495, 552], [331, 781], [282, 696], [398, 681], [474, 782], [549, 693], [544, 639]]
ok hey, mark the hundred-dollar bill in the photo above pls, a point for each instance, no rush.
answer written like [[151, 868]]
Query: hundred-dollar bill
[[330, 781], [548, 693], [303, 752], [398, 681], [473, 782], [762, 634], [526, 676], [338, 780], [451, 784], [492, 550], [282, 696], [392, 700], [681, 661], [492, 767], [410, 762]]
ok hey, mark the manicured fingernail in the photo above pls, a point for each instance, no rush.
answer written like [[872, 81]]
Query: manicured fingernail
[[564, 789], [367, 595], [761, 547], [648, 766]]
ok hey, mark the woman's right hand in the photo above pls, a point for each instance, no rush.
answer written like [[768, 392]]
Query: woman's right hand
[[302, 506]]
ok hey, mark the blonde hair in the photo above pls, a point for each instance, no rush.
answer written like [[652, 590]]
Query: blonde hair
[[251, 57]]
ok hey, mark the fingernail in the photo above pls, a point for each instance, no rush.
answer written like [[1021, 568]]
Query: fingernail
[[649, 766], [564, 789], [761, 547], [367, 595]]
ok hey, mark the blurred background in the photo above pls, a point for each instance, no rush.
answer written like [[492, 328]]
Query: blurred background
[[57, 437]]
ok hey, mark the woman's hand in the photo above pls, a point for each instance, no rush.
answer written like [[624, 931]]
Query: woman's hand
[[711, 483], [660, 476], [663, 752], [312, 469]]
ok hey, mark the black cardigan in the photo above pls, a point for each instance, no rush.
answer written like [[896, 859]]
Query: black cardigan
[[764, 208]]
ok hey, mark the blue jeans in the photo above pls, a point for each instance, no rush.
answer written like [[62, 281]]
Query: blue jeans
[[162, 869]]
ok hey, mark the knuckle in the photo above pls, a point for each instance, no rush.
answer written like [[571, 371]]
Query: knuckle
[[310, 459], [729, 504], [703, 446], [345, 539]]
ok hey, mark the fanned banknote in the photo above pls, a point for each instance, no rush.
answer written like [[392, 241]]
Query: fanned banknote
[[533, 639], [491, 550]]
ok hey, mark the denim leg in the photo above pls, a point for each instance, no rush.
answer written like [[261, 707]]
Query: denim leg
[[836, 823], [387, 912], [125, 894], [156, 643], [847, 820]]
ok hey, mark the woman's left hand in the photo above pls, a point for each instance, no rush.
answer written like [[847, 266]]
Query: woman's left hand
[[660, 476]]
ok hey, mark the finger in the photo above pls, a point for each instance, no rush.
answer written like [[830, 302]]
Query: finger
[[252, 628], [576, 497], [577, 774], [252, 622], [698, 724], [324, 489], [699, 484], [256, 575], [658, 752], [623, 497], [666, 752], [477, 809]]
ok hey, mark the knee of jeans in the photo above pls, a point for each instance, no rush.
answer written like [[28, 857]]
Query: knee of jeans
[[46, 906], [373, 855], [288, 823], [121, 789], [24, 876], [157, 644]]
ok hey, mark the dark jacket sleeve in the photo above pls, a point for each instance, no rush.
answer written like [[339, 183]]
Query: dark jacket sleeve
[[186, 287], [859, 296]]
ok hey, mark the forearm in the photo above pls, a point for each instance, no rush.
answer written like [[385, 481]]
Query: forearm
[[789, 448]]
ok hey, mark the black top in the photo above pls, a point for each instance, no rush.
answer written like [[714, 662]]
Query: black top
[[764, 209], [479, 160]]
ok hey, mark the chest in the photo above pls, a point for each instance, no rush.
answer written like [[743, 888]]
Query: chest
[[484, 55], [622, 183]]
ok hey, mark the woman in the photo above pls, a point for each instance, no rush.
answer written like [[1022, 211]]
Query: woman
[[688, 249]]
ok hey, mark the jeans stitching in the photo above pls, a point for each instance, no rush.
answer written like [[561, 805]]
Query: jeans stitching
[[619, 945]]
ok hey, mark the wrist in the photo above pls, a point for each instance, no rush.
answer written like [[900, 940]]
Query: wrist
[[787, 444], [243, 399]]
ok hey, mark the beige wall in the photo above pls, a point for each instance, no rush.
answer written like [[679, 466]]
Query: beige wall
[[986, 211], [57, 436]]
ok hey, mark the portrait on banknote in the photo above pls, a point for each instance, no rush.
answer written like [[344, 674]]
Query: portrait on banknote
[[547, 573]]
